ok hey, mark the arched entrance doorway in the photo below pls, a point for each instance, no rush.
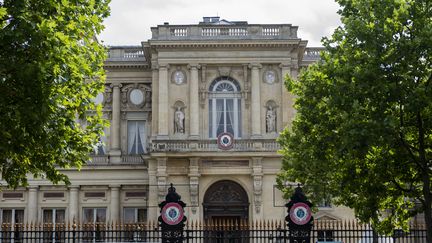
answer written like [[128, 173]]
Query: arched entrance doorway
[[226, 200]]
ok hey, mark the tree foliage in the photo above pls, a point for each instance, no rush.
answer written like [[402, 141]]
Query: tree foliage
[[363, 130], [51, 66]]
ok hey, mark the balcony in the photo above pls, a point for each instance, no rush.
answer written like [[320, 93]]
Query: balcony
[[246, 145], [125, 53], [98, 160], [212, 32]]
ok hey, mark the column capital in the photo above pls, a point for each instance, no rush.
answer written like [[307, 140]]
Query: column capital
[[254, 65], [33, 188], [116, 85], [285, 65], [115, 187], [163, 66], [192, 66]]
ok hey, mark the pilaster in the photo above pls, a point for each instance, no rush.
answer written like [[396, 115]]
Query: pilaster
[[161, 177], [194, 176], [257, 176], [32, 204], [115, 152], [115, 204], [194, 102], [73, 204], [163, 109], [155, 99], [255, 101], [153, 194]]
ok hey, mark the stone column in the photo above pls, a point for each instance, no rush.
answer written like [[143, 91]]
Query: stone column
[[115, 151], [115, 204], [74, 204], [194, 102], [163, 111], [255, 101], [194, 176], [32, 204], [257, 176], [287, 106]]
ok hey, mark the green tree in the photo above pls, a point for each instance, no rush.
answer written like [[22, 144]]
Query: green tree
[[363, 129], [51, 66]]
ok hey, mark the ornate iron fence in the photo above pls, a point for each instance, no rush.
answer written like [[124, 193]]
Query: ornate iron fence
[[204, 232]]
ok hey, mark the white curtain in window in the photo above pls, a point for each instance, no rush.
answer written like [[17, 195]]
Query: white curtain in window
[[60, 216], [229, 116], [219, 117], [132, 129], [142, 136]]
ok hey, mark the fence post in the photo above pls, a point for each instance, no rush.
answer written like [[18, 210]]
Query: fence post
[[299, 218], [73, 231], [172, 219]]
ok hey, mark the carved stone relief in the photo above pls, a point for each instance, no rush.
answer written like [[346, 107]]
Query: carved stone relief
[[135, 96]]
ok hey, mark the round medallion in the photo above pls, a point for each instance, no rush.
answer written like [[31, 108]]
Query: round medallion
[[300, 213], [136, 96], [179, 77], [172, 213], [225, 141], [270, 76], [99, 99]]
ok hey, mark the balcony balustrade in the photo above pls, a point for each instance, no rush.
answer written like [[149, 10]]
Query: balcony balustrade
[[126, 53], [208, 32], [246, 145]]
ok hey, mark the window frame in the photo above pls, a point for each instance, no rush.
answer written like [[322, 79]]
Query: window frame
[[225, 96]]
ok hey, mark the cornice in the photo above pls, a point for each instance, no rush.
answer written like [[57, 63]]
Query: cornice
[[126, 65], [225, 44]]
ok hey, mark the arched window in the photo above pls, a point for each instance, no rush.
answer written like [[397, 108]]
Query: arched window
[[224, 107]]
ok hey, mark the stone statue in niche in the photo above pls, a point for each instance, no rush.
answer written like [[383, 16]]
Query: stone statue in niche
[[271, 119], [179, 118]]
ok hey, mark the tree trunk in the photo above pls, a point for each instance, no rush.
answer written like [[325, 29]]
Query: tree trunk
[[427, 206]]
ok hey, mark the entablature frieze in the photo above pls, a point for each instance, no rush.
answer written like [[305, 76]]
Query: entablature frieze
[[290, 44]]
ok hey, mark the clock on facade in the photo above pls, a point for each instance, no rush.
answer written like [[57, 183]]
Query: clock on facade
[[179, 77], [270, 76]]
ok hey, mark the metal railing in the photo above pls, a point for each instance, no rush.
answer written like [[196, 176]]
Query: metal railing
[[205, 232]]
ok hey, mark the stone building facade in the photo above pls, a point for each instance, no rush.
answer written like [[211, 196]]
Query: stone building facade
[[199, 106]]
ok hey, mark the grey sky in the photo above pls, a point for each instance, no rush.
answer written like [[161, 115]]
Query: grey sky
[[130, 20]]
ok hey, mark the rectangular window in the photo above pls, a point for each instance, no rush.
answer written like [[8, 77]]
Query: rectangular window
[[133, 216], [54, 225], [137, 138], [10, 218], [95, 218]]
